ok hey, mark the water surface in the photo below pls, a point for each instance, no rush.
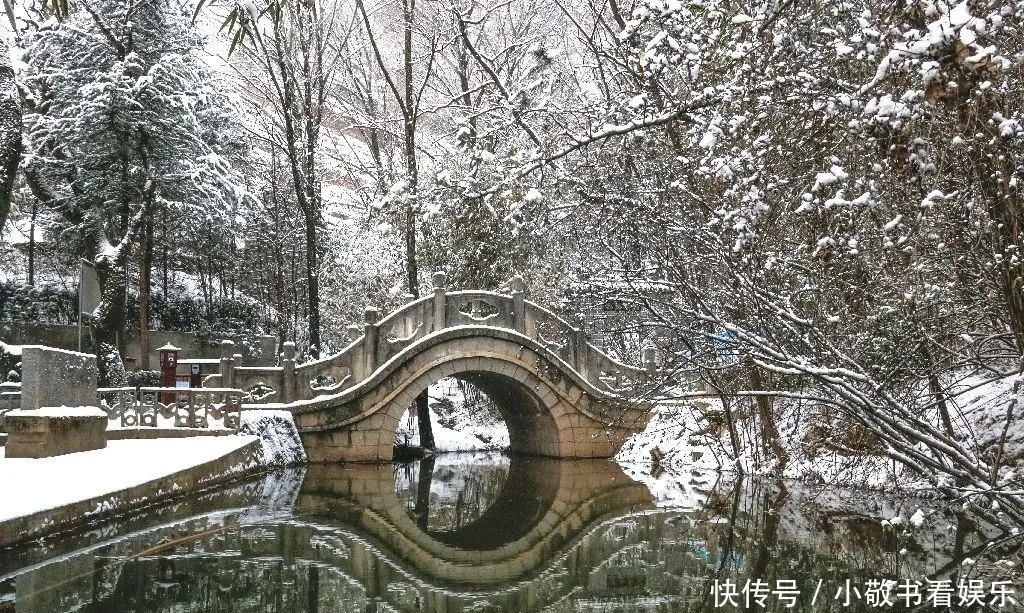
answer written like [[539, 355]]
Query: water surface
[[487, 532]]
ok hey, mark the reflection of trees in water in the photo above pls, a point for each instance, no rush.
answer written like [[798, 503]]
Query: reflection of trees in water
[[445, 497]]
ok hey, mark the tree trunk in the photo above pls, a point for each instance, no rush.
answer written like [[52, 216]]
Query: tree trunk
[[32, 244], [110, 320], [10, 132], [766, 415], [423, 421], [145, 277], [163, 227], [411, 265], [313, 286], [422, 506]]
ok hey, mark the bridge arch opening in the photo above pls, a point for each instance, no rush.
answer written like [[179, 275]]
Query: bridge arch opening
[[462, 416], [518, 414]]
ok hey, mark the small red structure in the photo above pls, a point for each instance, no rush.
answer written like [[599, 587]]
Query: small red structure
[[168, 370]]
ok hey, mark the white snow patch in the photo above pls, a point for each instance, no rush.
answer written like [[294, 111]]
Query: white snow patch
[[709, 140], [34, 485], [278, 436], [59, 412], [445, 439], [917, 519]]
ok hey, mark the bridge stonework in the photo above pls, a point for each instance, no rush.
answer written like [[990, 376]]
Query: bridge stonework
[[558, 395]]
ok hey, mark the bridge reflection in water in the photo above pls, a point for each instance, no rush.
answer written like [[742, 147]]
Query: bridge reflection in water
[[540, 506], [491, 534], [361, 537]]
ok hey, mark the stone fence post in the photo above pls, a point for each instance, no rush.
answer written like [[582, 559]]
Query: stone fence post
[[288, 386], [370, 318], [227, 363], [649, 362], [581, 352], [519, 304], [440, 301]]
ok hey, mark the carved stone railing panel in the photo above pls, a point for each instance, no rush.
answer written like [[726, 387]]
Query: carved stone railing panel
[[331, 379], [261, 392], [617, 381], [479, 309], [403, 328], [256, 381], [383, 339], [327, 375], [143, 407]]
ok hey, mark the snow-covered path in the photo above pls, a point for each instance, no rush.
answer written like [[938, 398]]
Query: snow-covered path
[[32, 485]]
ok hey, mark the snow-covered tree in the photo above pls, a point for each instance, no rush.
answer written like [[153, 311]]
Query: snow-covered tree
[[123, 121]]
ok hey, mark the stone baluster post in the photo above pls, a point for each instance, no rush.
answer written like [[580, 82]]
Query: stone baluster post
[[581, 352], [409, 321], [519, 304], [370, 318], [227, 363], [649, 362], [440, 301], [288, 387]]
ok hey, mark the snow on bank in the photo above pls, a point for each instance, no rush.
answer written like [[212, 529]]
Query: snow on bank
[[33, 485], [680, 434], [673, 433], [985, 408], [692, 435], [278, 436]]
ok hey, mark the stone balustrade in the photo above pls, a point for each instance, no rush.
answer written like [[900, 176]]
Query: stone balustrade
[[147, 407], [380, 340]]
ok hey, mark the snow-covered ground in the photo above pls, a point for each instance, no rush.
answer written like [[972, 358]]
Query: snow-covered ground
[[33, 485], [688, 435], [474, 429]]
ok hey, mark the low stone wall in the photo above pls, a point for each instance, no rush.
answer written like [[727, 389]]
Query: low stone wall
[[54, 431], [66, 337], [241, 463], [122, 434]]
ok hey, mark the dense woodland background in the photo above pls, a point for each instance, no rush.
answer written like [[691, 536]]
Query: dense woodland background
[[817, 200]]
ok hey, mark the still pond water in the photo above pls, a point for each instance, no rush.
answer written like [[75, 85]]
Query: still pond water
[[490, 533]]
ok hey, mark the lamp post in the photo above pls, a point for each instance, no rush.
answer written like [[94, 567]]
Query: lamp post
[[168, 370]]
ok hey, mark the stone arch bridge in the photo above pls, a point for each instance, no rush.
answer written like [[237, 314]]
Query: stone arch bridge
[[559, 395]]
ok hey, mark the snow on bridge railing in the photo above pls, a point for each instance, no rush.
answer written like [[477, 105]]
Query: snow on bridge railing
[[382, 339], [180, 407]]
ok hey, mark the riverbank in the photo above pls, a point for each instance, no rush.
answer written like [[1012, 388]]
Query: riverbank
[[68, 492], [823, 447], [47, 495]]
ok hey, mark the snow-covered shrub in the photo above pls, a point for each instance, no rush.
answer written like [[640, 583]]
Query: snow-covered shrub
[[143, 378]]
